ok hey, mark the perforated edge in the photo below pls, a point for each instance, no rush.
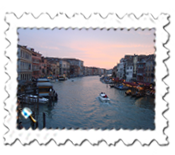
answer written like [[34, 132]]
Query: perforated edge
[[171, 88]]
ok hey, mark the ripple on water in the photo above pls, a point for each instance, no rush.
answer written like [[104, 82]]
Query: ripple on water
[[78, 106]]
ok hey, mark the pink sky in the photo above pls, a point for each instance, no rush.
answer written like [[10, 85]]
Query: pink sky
[[98, 48]]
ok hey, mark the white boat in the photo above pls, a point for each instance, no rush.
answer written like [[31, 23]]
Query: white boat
[[44, 88], [53, 80], [103, 97], [33, 98]]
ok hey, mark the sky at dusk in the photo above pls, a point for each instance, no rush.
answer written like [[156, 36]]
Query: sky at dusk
[[97, 48]]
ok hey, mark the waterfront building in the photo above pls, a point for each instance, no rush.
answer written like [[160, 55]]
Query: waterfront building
[[57, 72], [74, 70], [24, 63], [135, 58], [76, 62], [109, 71], [121, 69], [141, 68], [89, 71], [129, 72], [150, 69], [114, 71], [64, 67], [85, 72], [101, 71], [36, 63], [53, 68], [49, 70], [43, 66]]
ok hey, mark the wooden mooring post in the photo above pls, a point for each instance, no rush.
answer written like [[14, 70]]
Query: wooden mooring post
[[33, 124], [44, 120], [36, 124], [37, 101]]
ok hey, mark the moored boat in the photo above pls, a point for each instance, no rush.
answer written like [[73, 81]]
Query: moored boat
[[139, 94], [133, 93], [33, 99], [62, 78], [44, 88], [121, 87], [111, 86], [128, 92]]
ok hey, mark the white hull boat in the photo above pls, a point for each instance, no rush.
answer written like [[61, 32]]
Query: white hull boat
[[103, 97], [33, 98]]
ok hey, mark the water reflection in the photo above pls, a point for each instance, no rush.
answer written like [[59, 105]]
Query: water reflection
[[78, 106]]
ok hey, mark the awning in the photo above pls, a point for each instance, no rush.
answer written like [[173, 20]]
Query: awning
[[131, 84]]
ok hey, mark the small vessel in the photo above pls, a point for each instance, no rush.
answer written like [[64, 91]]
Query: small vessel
[[62, 78], [103, 97], [128, 92], [44, 88], [52, 80], [121, 87], [33, 98], [139, 94], [133, 93], [111, 86], [147, 93]]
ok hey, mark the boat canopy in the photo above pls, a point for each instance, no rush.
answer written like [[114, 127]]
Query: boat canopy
[[44, 84], [130, 83], [43, 80], [102, 94]]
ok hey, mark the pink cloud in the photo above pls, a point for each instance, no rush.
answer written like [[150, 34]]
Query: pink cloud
[[106, 55]]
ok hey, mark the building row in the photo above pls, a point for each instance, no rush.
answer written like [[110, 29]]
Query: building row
[[136, 68], [32, 64]]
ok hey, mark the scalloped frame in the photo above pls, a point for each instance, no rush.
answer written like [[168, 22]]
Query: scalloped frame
[[94, 136]]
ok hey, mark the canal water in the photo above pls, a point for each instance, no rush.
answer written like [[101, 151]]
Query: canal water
[[78, 106]]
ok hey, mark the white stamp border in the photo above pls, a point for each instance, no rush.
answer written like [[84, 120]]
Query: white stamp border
[[78, 21]]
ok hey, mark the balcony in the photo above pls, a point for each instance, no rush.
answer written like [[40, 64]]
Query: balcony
[[36, 69], [37, 62], [140, 74], [140, 66]]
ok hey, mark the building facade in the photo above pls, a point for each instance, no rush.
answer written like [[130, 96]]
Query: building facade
[[43, 66], [76, 63], [64, 68], [135, 58], [121, 69], [141, 62], [57, 68], [24, 63], [36, 63], [150, 69], [129, 72]]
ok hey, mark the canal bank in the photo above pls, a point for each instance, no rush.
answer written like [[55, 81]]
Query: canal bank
[[78, 106]]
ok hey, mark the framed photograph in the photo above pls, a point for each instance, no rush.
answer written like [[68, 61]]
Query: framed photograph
[[79, 75]]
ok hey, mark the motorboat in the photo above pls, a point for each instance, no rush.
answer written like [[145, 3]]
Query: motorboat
[[103, 97], [128, 92], [33, 98], [121, 87]]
